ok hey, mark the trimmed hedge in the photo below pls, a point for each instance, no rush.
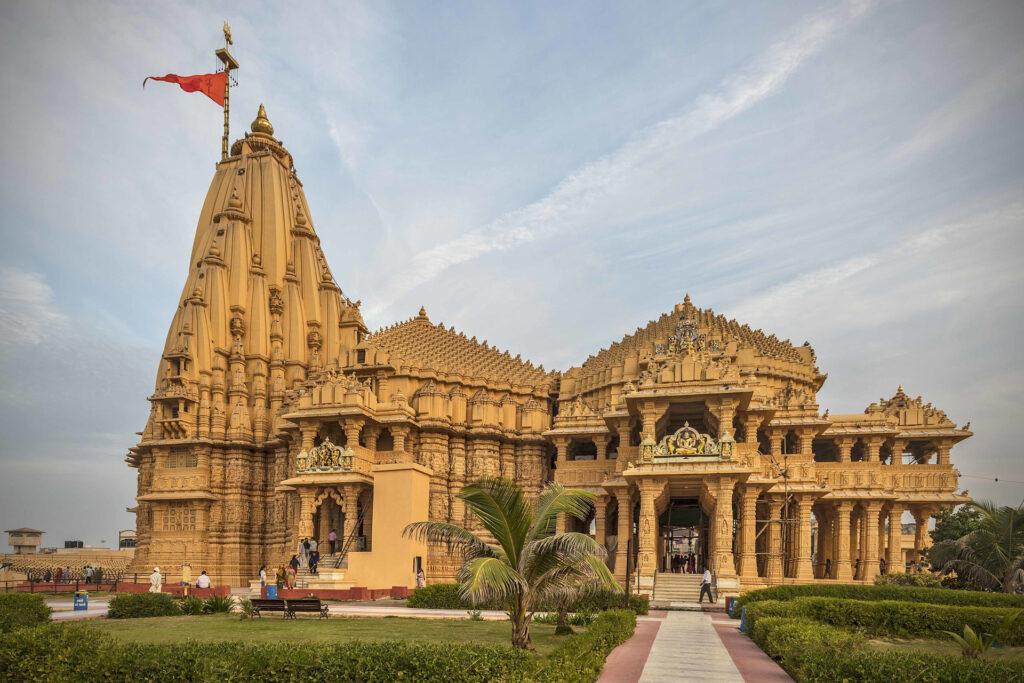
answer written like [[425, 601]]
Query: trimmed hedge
[[18, 610], [818, 653], [76, 652], [934, 596], [889, 617], [136, 605], [446, 596]]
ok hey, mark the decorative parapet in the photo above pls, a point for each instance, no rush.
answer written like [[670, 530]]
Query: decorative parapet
[[325, 458], [685, 443]]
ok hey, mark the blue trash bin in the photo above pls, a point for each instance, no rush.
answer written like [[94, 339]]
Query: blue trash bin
[[81, 601], [271, 592]]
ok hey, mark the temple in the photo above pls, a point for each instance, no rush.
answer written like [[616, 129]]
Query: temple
[[278, 416]]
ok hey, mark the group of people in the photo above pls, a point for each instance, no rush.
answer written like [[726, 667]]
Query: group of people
[[156, 579], [58, 575], [685, 563]]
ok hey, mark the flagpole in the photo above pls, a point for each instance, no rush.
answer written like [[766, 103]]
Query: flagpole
[[229, 63]]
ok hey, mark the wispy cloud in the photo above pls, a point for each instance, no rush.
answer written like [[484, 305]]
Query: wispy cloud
[[761, 78], [27, 311]]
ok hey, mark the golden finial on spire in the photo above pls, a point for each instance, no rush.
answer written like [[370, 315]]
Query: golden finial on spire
[[262, 123], [227, 33]]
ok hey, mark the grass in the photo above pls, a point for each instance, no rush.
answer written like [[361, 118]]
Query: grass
[[228, 627], [944, 647]]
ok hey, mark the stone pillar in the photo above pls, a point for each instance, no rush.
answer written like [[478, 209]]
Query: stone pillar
[[843, 566], [774, 567], [872, 447], [625, 521], [748, 534], [351, 516], [822, 552], [895, 555], [399, 434], [647, 565], [856, 542], [561, 449], [897, 452], [921, 516], [308, 432], [751, 423], [807, 443], [869, 553], [305, 525], [457, 445], [600, 509], [943, 448], [845, 445], [371, 433], [724, 564], [804, 569], [776, 440], [353, 426]]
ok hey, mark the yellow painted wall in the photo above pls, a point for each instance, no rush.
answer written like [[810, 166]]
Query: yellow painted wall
[[401, 495]]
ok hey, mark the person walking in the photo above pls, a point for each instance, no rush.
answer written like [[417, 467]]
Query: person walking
[[156, 581], [705, 587], [421, 578], [332, 538]]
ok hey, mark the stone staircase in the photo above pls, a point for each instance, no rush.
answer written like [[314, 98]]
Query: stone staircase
[[303, 577], [670, 588]]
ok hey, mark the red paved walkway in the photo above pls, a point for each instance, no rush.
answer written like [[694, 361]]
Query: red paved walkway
[[626, 662]]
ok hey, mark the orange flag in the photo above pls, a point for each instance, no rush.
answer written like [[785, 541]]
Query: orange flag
[[211, 85]]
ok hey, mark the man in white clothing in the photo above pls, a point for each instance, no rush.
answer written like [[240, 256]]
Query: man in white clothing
[[203, 581], [155, 581], [705, 587]]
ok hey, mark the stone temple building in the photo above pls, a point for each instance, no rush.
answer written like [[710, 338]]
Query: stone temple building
[[277, 415]]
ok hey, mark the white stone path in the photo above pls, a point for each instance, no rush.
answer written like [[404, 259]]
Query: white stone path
[[687, 648]]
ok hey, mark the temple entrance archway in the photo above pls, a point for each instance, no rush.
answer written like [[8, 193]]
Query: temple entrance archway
[[683, 537]]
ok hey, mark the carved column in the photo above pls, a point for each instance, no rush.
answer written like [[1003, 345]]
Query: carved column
[[897, 451], [774, 568], [869, 553], [751, 423], [748, 534], [561, 449], [943, 448], [351, 510], [921, 515], [776, 439], [457, 445], [625, 513], [895, 555], [725, 564], [822, 550], [647, 565], [845, 446], [600, 509], [804, 568], [305, 526], [843, 568], [601, 444], [371, 433], [353, 426], [873, 446], [308, 432]]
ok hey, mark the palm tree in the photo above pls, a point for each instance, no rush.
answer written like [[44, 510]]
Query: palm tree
[[528, 565], [992, 555]]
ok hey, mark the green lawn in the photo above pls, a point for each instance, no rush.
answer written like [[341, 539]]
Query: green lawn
[[943, 647], [273, 628]]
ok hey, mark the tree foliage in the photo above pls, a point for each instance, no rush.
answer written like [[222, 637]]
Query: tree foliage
[[991, 555], [527, 565]]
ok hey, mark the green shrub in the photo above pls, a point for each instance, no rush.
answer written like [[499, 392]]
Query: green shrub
[[218, 604], [819, 653], [935, 596], [890, 617], [918, 580], [191, 605], [77, 652], [582, 657], [446, 596], [135, 605], [575, 618], [22, 609]]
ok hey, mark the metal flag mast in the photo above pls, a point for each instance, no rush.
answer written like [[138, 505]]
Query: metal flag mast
[[229, 64]]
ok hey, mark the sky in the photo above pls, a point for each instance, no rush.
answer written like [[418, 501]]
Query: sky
[[546, 176]]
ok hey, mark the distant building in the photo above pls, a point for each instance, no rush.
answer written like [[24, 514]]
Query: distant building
[[126, 539], [25, 541]]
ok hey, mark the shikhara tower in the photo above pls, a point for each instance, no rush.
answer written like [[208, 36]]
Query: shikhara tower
[[276, 416]]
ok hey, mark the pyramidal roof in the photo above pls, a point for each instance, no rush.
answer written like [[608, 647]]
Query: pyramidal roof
[[256, 271], [419, 341]]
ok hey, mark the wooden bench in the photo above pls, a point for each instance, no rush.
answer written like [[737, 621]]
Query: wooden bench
[[308, 605], [261, 605]]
